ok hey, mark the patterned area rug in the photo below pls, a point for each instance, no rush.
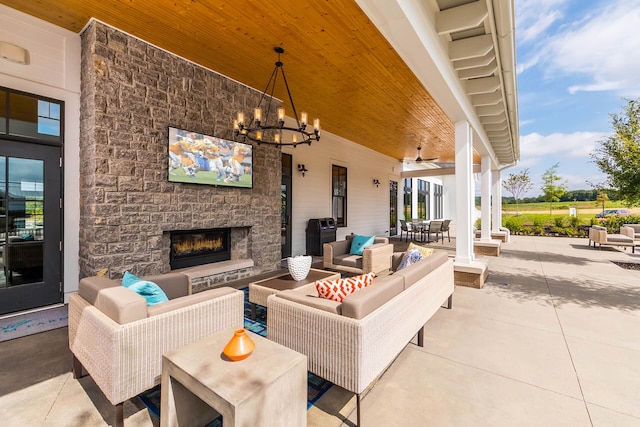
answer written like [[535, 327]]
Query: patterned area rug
[[33, 323], [316, 386]]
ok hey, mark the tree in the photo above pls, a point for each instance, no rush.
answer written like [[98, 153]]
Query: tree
[[602, 199], [552, 188], [618, 156], [518, 184]]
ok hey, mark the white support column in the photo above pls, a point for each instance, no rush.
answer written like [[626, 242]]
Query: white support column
[[485, 199], [464, 193], [496, 206]]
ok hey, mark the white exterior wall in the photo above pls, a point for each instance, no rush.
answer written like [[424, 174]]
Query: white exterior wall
[[367, 205], [54, 72]]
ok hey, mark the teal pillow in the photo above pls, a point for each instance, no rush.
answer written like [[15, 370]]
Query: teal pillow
[[129, 279], [150, 291], [358, 243]]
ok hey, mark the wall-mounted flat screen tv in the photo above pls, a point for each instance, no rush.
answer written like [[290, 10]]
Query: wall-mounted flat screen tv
[[195, 158]]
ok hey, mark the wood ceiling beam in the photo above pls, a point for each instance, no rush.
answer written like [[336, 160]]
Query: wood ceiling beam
[[471, 47], [482, 85], [464, 17], [486, 98], [474, 73], [489, 110], [480, 61]]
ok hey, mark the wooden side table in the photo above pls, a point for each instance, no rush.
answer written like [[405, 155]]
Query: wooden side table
[[269, 388]]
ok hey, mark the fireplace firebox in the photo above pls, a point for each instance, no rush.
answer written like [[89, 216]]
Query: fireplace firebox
[[196, 247]]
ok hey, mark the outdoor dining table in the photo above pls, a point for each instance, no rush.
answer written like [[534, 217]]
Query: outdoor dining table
[[422, 229]]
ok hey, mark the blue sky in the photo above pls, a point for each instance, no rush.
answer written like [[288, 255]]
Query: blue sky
[[576, 61]]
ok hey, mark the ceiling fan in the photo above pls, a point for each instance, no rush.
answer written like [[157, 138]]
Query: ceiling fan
[[419, 159]]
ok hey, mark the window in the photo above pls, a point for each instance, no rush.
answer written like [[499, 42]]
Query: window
[[423, 199], [339, 195], [408, 191], [437, 200], [31, 117], [393, 207]]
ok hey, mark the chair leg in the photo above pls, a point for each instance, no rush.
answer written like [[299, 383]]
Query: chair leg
[[357, 410], [421, 337]]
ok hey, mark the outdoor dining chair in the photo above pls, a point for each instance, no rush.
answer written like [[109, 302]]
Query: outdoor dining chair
[[445, 227], [407, 229], [436, 228]]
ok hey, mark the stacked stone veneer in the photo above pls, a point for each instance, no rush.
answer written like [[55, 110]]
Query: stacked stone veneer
[[131, 93]]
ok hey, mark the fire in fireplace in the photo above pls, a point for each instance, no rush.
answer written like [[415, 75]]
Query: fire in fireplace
[[197, 247]]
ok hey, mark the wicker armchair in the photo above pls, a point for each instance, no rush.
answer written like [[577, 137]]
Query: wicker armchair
[[374, 259], [120, 341]]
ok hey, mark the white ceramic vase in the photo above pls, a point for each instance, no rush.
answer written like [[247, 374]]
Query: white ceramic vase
[[299, 266]]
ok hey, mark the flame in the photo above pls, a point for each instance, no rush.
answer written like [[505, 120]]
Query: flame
[[198, 245]]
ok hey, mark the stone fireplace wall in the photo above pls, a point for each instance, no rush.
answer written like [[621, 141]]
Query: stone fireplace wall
[[131, 93]]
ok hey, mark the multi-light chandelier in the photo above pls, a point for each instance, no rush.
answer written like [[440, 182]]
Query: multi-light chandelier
[[263, 130]]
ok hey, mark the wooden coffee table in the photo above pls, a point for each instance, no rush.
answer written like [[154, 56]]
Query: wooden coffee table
[[260, 290], [269, 388]]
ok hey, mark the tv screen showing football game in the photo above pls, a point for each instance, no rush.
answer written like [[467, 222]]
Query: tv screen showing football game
[[195, 158]]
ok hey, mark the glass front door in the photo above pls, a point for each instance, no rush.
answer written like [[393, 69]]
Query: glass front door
[[30, 226]]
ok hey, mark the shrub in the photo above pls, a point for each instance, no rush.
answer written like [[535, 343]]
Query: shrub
[[514, 224], [574, 221], [538, 222], [558, 221]]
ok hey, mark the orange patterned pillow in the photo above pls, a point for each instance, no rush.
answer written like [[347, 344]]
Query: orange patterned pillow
[[337, 290]]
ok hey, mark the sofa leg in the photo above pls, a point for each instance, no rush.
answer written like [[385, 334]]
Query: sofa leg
[[77, 368], [421, 337], [119, 420], [450, 302], [357, 410]]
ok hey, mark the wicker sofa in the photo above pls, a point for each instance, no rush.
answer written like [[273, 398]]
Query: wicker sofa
[[599, 236], [351, 343], [374, 259], [119, 341]]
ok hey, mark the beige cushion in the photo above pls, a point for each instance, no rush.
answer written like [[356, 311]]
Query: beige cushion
[[188, 300], [89, 287], [312, 301], [121, 304], [358, 304], [417, 271], [348, 260], [619, 238], [174, 285]]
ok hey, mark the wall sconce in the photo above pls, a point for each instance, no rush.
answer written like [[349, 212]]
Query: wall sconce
[[376, 182], [302, 169]]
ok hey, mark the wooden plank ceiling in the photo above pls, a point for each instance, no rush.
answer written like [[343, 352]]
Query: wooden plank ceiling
[[338, 65]]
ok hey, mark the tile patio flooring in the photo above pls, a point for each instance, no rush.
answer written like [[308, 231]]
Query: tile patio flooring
[[553, 339]]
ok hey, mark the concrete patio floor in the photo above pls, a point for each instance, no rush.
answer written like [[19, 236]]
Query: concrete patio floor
[[553, 339]]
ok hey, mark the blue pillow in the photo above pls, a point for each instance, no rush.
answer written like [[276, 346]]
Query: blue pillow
[[411, 257], [150, 291], [129, 279], [358, 243]]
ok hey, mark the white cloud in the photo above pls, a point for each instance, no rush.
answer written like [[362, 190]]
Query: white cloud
[[570, 150], [534, 146], [535, 17], [604, 47]]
